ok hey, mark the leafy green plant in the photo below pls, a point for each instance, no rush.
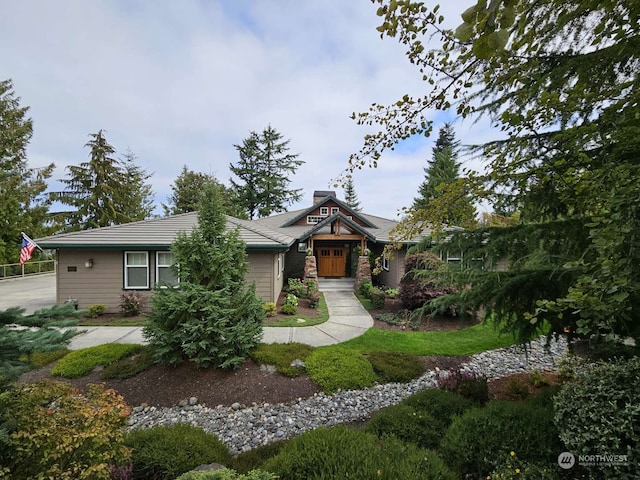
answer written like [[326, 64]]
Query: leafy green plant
[[165, 452], [227, 474], [538, 379], [333, 368], [365, 289], [131, 365], [517, 389], [406, 423], [270, 309], [131, 303], [473, 442], [81, 362], [281, 355], [296, 287], [377, 297], [95, 310], [340, 452], [513, 467], [599, 414], [55, 431], [289, 309], [395, 366], [314, 298]]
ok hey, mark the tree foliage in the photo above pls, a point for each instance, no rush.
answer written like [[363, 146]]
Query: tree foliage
[[211, 318], [23, 207], [444, 170], [264, 172], [188, 192], [105, 190], [350, 195], [560, 80]]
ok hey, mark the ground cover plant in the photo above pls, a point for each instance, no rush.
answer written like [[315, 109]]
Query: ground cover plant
[[334, 368], [132, 364], [81, 362], [281, 356], [395, 366]]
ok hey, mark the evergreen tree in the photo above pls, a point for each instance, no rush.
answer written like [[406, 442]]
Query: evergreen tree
[[263, 172], [560, 79], [444, 169], [23, 208], [188, 192], [350, 195], [104, 191], [212, 318]]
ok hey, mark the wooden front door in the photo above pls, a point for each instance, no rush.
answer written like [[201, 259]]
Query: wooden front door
[[332, 261]]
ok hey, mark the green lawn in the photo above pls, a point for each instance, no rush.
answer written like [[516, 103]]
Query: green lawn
[[466, 341]]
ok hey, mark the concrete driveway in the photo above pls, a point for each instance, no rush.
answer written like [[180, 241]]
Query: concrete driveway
[[30, 293]]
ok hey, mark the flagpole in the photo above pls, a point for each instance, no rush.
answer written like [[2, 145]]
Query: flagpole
[[30, 240]]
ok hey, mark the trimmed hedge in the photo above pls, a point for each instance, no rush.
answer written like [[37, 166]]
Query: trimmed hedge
[[334, 368]]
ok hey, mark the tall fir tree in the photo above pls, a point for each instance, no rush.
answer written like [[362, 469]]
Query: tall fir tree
[[23, 205], [444, 169], [263, 173], [212, 317], [350, 195], [104, 191], [560, 79]]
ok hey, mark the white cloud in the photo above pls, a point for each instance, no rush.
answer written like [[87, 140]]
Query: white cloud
[[182, 82]]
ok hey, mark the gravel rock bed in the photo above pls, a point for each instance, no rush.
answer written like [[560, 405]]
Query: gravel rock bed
[[242, 427]]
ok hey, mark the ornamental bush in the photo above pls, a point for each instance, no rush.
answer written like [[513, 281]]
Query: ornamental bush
[[395, 366], [415, 291], [227, 474], [377, 297], [467, 383], [55, 431], [340, 452], [599, 414], [334, 368], [165, 452], [95, 310]]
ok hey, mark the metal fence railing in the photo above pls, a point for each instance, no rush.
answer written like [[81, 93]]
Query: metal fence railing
[[12, 270]]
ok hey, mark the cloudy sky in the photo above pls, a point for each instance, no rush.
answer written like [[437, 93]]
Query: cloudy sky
[[180, 82]]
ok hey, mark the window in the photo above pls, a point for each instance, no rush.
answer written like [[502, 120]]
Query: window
[[324, 211], [313, 219], [280, 264], [385, 262], [302, 247], [136, 270], [334, 210], [164, 273]]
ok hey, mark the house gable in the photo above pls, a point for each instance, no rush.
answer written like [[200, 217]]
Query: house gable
[[325, 208]]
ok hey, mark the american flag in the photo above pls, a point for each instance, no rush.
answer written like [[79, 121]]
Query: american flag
[[28, 246]]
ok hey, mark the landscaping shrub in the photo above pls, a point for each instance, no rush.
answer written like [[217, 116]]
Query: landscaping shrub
[[41, 358], [395, 366], [407, 424], [314, 298], [54, 431], [512, 467], [442, 405], [270, 309], [333, 368], [414, 291], [340, 453], [127, 367], [281, 355], [165, 452], [254, 458], [377, 297], [467, 383], [365, 288], [227, 474], [599, 414], [476, 441], [95, 310], [131, 303], [290, 306], [296, 287], [516, 389], [81, 362]]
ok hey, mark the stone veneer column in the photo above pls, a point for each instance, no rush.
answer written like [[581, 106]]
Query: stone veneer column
[[363, 271], [310, 270]]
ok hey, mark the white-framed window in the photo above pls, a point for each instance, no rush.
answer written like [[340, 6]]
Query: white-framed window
[[334, 210], [280, 264], [302, 247], [164, 271], [324, 211], [313, 219], [385, 262], [136, 270]]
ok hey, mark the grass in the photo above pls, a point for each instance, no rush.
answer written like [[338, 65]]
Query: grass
[[466, 341], [292, 320]]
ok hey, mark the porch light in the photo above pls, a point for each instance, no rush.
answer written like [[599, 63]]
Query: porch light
[[89, 263]]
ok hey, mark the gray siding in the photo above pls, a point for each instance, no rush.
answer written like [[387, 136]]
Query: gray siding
[[391, 278], [262, 271]]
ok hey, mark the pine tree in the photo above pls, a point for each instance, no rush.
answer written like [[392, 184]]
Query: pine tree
[[212, 318], [23, 207], [104, 191], [350, 195], [263, 172], [444, 169]]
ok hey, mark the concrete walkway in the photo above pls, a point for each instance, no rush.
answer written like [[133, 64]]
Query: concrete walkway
[[347, 317]]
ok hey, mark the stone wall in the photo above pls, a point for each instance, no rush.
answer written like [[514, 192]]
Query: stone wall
[[363, 271], [310, 270]]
